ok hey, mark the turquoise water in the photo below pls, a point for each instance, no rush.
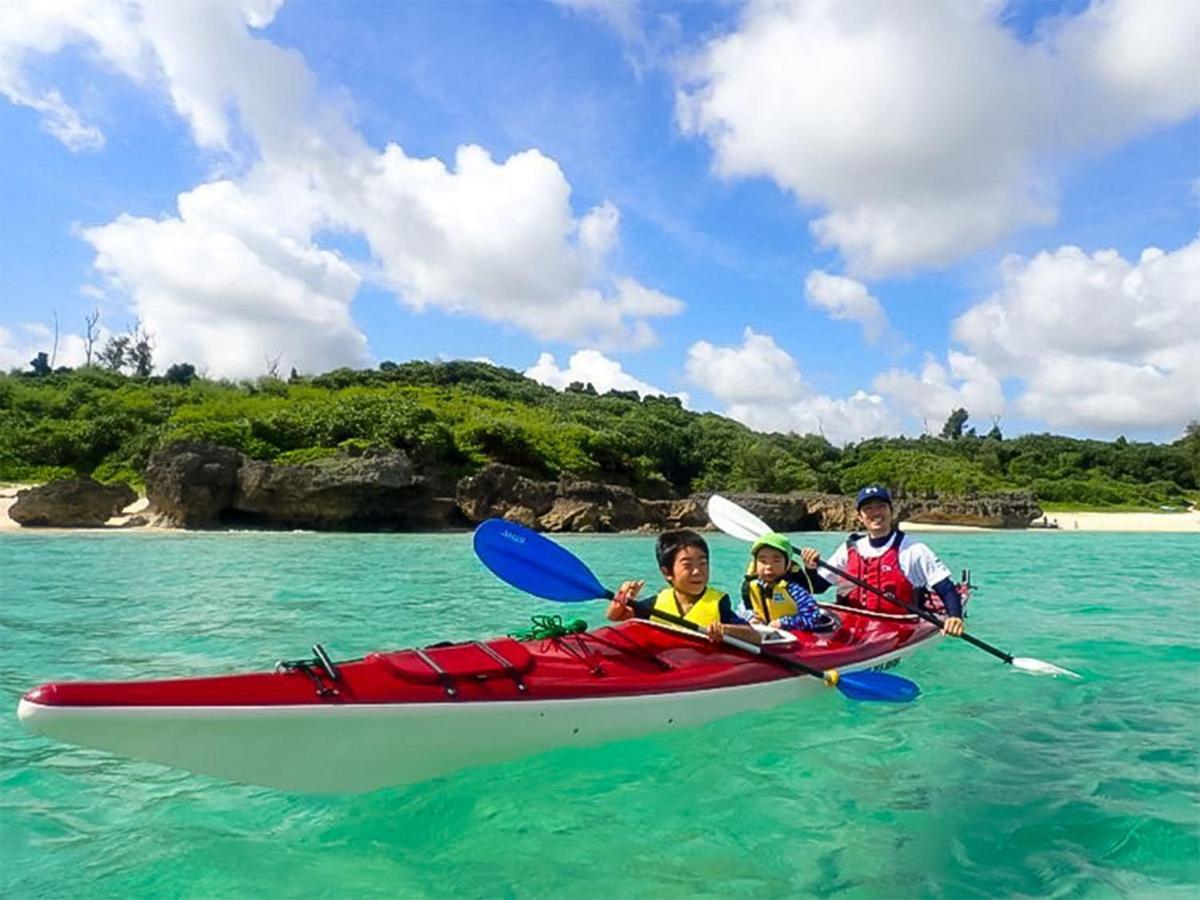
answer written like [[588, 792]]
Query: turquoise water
[[994, 783]]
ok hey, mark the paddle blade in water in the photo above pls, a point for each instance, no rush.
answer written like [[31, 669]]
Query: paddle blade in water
[[534, 564], [1041, 667], [877, 686], [735, 521]]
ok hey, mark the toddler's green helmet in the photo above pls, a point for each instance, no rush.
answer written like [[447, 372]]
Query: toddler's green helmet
[[775, 541]]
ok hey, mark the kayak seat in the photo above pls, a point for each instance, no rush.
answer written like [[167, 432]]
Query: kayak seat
[[827, 622], [501, 658]]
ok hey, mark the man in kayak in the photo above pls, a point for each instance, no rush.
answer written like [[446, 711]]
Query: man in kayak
[[888, 559], [683, 560], [775, 591]]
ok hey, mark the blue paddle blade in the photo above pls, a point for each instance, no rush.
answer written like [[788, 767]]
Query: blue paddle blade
[[534, 564], [877, 686]]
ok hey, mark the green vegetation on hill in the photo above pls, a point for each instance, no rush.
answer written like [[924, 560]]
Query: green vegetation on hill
[[460, 415]]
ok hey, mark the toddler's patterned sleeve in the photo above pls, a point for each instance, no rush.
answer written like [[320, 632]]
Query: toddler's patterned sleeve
[[807, 611]]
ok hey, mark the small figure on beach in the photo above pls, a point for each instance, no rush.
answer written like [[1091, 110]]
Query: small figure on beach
[[683, 561], [890, 561], [775, 591]]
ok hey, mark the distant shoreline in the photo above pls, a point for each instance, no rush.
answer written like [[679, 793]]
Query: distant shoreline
[[1182, 522], [1167, 522]]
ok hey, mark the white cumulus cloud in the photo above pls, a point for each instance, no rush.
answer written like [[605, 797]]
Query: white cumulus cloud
[[593, 367], [498, 241], [964, 382], [846, 299], [1088, 341], [31, 31], [928, 130], [1097, 341], [762, 387], [18, 349], [223, 288]]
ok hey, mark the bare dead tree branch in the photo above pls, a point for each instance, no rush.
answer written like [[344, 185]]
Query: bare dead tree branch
[[54, 348], [91, 333]]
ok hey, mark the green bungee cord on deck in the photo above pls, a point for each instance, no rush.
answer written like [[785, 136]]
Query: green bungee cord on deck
[[546, 627]]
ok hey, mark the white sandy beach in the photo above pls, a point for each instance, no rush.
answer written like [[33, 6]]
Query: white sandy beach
[[1092, 521], [1188, 521]]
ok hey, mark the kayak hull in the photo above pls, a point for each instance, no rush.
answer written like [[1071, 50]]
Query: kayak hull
[[334, 745]]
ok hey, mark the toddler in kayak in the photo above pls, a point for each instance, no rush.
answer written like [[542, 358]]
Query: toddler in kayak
[[683, 560], [776, 592]]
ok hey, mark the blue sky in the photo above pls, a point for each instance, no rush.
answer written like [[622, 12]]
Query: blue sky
[[837, 217]]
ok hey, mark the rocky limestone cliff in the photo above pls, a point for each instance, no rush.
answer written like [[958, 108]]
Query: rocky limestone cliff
[[1016, 509], [191, 484], [196, 485], [569, 504], [70, 503], [200, 485]]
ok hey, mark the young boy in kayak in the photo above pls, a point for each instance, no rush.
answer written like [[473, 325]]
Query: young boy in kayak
[[886, 558], [683, 560], [775, 591]]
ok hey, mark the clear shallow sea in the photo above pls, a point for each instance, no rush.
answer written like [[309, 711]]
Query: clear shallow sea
[[993, 783]]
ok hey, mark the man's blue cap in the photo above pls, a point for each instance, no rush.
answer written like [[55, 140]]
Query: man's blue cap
[[873, 492]]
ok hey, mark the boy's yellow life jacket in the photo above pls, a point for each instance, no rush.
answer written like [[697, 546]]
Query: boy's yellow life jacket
[[778, 603], [703, 612]]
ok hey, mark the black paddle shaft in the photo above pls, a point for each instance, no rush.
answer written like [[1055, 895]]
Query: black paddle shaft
[[792, 664], [915, 610]]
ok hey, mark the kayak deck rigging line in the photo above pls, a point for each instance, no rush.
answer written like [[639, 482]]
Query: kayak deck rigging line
[[319, 665]]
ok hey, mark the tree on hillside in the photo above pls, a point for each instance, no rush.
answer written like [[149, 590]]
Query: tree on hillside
[[994, 433], [180, 373], [953, 429], [40, 364], [1191, 441], [140, 354], [115, 352]]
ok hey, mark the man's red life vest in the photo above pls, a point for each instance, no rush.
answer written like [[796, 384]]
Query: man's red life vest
[[881, 571]]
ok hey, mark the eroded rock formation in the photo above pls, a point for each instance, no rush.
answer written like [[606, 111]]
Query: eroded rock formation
[[196, 485], [70, 503], [200, 485]]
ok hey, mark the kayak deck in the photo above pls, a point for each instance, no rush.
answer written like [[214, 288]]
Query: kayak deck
[[630, 658]]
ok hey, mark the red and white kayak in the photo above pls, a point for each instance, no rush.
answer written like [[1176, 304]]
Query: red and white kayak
[[410, 715]]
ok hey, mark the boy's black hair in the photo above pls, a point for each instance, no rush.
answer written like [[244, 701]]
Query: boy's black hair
[[671, 542]]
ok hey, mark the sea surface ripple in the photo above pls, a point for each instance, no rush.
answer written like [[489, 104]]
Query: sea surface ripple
[[994, 783]]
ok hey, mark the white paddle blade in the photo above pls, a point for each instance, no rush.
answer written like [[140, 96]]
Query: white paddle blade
[[735, 521], [1041, 667]]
